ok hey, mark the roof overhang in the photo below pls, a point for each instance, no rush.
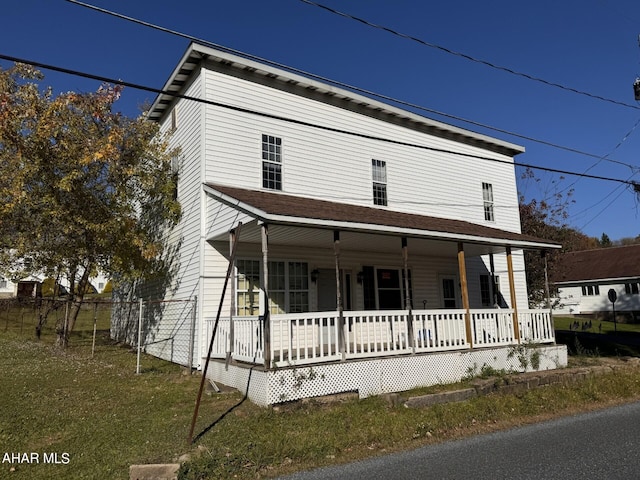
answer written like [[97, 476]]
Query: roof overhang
[[264, 71], [270, 208]]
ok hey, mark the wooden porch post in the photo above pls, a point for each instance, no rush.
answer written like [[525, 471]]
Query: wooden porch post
[[266, 331], [546, 279], [407, 301], [512, 289], [462, 268], [336, 253]]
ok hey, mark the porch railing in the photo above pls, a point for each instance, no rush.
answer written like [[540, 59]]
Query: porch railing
[[306, 338]]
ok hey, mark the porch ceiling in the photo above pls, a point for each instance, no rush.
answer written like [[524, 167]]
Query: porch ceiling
[[311, 222], [319, 238]]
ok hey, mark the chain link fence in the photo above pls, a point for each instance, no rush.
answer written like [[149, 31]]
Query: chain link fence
[[164, 329]]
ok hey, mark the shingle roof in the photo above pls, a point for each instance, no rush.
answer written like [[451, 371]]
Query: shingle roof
[[599, 264], [302, 207]]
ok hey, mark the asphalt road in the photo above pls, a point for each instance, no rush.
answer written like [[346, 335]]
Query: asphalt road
[[596, 445]]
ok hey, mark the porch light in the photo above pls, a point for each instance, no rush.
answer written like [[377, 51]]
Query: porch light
[[314, 275], [360, 277]]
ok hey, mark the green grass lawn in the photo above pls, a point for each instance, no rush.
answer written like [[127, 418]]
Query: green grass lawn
[[597, 326], [102, 417]]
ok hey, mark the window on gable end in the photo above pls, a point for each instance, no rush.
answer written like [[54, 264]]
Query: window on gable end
[[271, 162], [487, 200], [379, 176], [174, 118]]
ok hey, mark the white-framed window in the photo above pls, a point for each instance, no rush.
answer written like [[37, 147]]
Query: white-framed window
[[631, 288], [174, 118], [288, 287], [487, 201], [379, 176], [271, 162], [590, 290], [3, 282]]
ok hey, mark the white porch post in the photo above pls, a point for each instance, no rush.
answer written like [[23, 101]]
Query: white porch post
[[462, 267], [407, 301], [336, 253], [266, 342], [232, 303], [512, 289], [494, 285]]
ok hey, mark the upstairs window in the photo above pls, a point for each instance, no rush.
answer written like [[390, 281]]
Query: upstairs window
[[487, 200], [174, 119], [379, 175], [271, 162]]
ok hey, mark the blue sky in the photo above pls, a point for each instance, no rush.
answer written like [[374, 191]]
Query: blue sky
[[589, 45]]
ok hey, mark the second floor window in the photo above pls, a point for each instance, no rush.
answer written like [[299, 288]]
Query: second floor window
[[271, 162], [379, 175], [487, 201], [590, 290]]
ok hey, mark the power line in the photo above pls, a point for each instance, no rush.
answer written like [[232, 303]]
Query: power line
[[302, 122], [346, 86], [469, 57], [633, 169]]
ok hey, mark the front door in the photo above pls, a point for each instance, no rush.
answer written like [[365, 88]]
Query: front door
[[448, 291], [389, 289]]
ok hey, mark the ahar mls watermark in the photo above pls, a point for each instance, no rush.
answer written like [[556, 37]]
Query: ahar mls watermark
[[36, 458]]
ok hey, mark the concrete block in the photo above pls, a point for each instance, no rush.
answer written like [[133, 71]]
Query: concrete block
[[444, 397]]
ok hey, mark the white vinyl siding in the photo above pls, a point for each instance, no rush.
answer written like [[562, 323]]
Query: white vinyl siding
[[336, 166]]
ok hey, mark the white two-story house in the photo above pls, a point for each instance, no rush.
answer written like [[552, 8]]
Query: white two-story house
[[369, 248]]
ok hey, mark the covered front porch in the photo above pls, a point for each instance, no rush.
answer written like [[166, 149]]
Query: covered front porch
[[322, 337], [324, 298]]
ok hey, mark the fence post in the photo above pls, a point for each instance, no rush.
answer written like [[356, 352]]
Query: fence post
[[192, 334], [139, 336], [95, 322]]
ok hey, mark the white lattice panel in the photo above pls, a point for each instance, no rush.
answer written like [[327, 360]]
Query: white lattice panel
[[373, 376]]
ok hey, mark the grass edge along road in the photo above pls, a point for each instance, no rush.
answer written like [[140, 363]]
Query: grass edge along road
[[98, 417]]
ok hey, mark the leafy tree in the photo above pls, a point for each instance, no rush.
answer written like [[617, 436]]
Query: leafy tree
[[547, 219], [82, 187]]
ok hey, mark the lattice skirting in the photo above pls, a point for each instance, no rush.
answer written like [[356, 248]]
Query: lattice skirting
[[379, 375]]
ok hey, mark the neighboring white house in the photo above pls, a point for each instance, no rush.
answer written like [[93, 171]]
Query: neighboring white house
[[377, 249], [584, 279], [28, 286]]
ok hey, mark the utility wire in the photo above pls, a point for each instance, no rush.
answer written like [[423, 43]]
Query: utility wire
[[341, 84], [302, 122], [633, 169], [469, 57]]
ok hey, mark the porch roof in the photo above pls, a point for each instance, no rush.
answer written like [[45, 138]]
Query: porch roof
[[292, 210]]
